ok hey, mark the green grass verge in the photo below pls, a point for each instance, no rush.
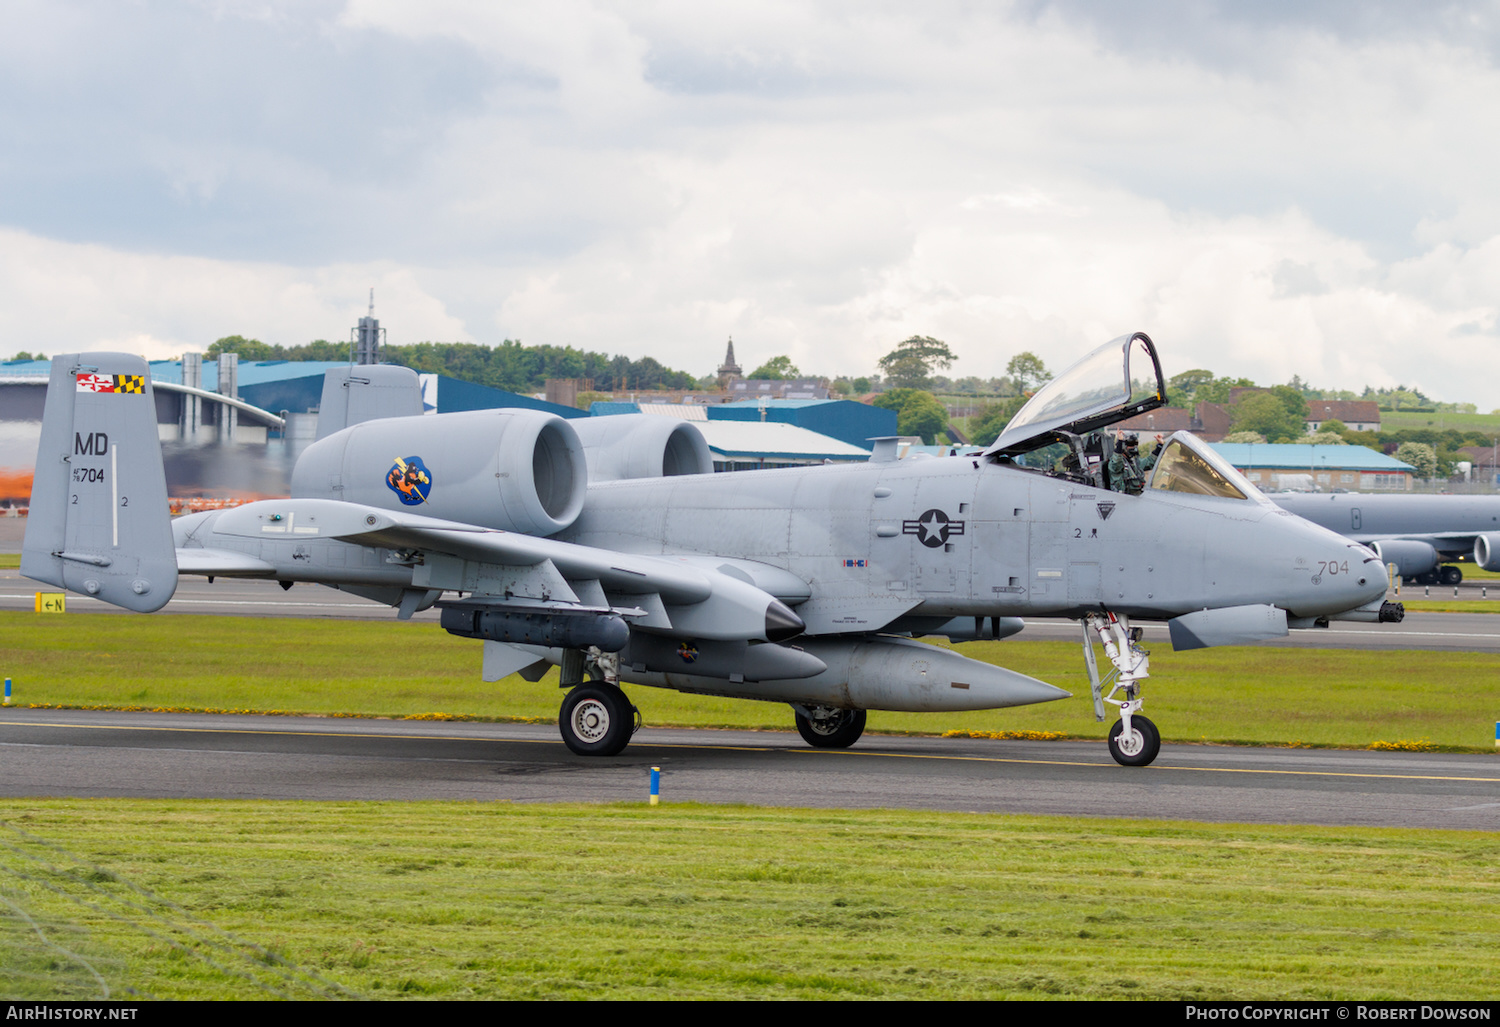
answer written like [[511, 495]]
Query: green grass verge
[[1473, 573], [1390, 420], [1250, 695], [1452, 605], [175, 900], [10, 562]]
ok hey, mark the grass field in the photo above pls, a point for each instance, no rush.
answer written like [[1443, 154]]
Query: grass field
[[1453, 605], [1390, 420], [1240, 694], [156, 899], [209, 899]]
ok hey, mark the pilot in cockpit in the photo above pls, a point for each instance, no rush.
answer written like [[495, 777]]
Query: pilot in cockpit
[[1127, 468]]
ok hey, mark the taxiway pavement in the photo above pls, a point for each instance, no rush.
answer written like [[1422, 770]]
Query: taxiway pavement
[[76, 753]]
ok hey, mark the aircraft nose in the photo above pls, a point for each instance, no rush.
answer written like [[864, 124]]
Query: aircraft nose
[[1336, 574]]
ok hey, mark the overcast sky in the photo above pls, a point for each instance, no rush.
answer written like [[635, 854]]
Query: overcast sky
[[1267, 189]]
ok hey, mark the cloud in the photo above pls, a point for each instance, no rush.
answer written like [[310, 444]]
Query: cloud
[[61, 297], [1268, 191]]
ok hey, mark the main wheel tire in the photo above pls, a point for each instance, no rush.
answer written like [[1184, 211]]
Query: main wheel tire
[[838, 730], [1140, 747], [596, 720], [1450, 575]]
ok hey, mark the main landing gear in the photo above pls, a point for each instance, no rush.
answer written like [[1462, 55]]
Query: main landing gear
[[1445, 575], [1134, 740], [825, 727], [596, 718]]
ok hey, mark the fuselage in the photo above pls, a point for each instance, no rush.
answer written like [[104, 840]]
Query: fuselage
[[948, 537], [959, 537]]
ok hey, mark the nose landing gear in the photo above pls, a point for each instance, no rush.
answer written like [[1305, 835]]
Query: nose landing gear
[[1134, 740]]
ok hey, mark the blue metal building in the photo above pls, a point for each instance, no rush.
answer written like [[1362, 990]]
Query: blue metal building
[[842, 419]]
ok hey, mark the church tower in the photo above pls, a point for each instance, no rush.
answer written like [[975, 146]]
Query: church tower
[[729, 370]]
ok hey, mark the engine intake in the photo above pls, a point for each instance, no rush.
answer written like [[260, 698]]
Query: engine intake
[[517, 470], [1487, 551], [642, 446]]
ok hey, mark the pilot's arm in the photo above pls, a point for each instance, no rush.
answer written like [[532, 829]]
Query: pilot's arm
[[1148, 461]]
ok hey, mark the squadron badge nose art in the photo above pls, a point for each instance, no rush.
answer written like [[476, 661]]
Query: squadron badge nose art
[[410, 480]]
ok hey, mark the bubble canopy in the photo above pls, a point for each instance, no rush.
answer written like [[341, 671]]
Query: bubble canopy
[[1118, 380]]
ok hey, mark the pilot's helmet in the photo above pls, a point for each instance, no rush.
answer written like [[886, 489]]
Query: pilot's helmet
[[1130, 439]]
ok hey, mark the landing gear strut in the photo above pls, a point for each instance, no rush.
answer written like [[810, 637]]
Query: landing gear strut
[[1133, 741], [824, 727], [596, 718]]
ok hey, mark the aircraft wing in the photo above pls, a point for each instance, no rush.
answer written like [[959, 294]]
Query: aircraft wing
[[702, 598]]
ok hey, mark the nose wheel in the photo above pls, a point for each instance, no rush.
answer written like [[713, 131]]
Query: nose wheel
[[1136, 745]]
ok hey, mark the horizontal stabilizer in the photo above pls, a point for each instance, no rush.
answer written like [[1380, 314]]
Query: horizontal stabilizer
[[222, 563], [1232, 625]]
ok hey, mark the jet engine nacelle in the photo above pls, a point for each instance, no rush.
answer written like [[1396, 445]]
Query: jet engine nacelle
[[1487, 551], [1410, 556], [642, 446], [516, 470]]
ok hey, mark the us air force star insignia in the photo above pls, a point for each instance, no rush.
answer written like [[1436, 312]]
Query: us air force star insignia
[[1105, 509], [933, 528]]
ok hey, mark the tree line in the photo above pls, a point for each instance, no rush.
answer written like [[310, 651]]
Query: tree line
[[907, 383], [511, 365]]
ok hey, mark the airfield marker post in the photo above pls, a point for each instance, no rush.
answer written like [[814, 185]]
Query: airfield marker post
[[656, 775], [7, 703]]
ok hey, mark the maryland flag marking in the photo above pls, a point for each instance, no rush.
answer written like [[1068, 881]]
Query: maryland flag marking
[[112, 383]]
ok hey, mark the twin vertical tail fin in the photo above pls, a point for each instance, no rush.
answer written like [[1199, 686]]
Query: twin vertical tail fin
[[367, 392], [98, 522]]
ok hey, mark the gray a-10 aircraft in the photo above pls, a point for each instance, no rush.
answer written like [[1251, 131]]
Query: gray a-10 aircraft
[[598, 546], [1416, 533]]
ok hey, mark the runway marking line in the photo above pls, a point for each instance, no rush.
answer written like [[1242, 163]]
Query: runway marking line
[[756, 748], [222, 602], [1204, 770], [353, 734]]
